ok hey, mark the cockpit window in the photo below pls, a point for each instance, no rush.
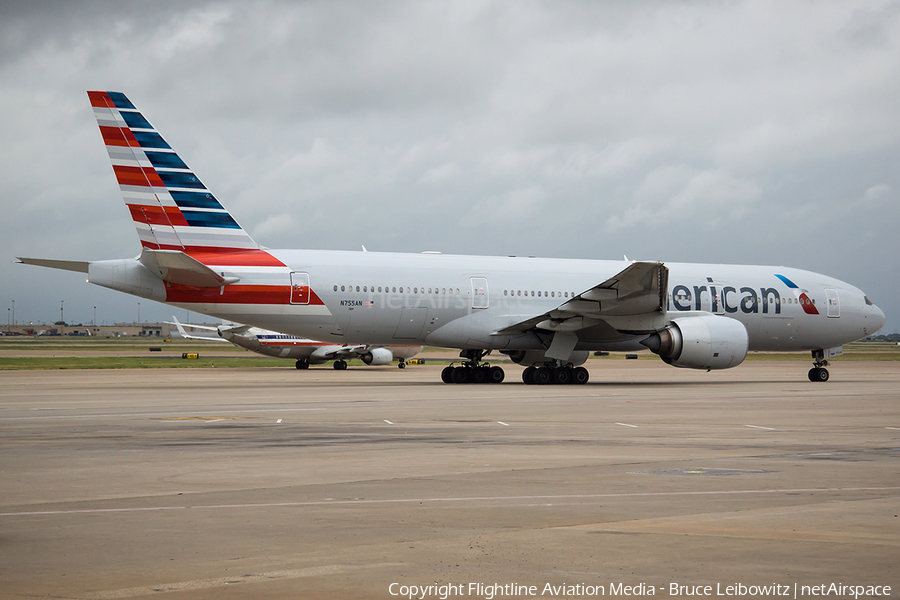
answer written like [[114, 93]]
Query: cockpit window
[[869, 302]]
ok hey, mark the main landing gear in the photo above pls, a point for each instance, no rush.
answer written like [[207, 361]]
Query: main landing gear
[[819, 372], [472, 370], [340, 365], [561, 374], [302, 364]]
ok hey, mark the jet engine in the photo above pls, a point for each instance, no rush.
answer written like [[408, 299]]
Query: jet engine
[[378, 356], [530, 358], [704, 342]]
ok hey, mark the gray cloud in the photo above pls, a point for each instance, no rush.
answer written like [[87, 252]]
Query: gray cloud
[[750, 132]]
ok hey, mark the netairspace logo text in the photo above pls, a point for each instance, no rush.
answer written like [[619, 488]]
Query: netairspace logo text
[[491, 591]]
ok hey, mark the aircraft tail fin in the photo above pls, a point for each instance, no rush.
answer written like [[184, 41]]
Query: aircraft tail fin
[[170, 206]]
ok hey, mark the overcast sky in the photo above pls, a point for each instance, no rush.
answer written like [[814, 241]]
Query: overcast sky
[[737, 132]]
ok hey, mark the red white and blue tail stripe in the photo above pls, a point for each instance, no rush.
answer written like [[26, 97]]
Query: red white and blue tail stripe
[[170, 206]]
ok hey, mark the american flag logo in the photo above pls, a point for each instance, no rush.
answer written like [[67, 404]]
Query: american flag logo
[[369, 303]]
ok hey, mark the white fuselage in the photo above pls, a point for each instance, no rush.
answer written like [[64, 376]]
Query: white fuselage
[[460, 301]]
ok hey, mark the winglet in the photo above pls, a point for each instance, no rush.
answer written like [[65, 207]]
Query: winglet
[[183, 332]]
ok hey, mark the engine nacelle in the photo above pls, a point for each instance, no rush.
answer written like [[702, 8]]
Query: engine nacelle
[[378, 356], [536, 357], [704, 342]]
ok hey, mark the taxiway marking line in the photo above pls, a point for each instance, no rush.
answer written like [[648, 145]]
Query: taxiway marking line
[[760, 427], [443, 499], [161, 414], [626, 425]]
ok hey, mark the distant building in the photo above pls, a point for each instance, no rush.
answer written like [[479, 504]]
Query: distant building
[[154, 330]]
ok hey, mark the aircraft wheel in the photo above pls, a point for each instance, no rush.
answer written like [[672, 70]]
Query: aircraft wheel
[[340, 365], [461, 375], [447, 375], [543, 376], [479, 375], [580, 375], [496, 375], [818, 374], [402, 365], [562, 375], [528, 375], [302, 364]]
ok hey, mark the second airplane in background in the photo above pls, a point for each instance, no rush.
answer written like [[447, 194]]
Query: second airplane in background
[[305, 351]]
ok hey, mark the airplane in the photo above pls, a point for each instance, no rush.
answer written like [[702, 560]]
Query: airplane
[[545, 314], [306, 351]]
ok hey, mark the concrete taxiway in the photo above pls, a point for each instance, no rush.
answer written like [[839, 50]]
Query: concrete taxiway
[[278, 483]]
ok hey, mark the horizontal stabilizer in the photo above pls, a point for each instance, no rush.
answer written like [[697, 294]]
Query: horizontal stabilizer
[[177, 267], [81, 266]]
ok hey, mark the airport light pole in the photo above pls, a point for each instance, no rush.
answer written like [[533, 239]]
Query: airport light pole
[[61, 318], [139, 312], [94, 323]]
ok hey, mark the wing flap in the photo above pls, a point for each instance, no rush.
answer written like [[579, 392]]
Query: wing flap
[[639, 289]]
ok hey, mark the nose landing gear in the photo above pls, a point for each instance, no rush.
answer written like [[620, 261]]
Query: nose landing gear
[[819, 372]]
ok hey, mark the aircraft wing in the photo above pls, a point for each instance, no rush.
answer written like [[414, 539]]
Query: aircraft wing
[[350, 351], [183, 332], [639, 289]]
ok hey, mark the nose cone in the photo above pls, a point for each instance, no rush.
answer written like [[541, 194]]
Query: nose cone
[[877, 318], [873, 317]]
